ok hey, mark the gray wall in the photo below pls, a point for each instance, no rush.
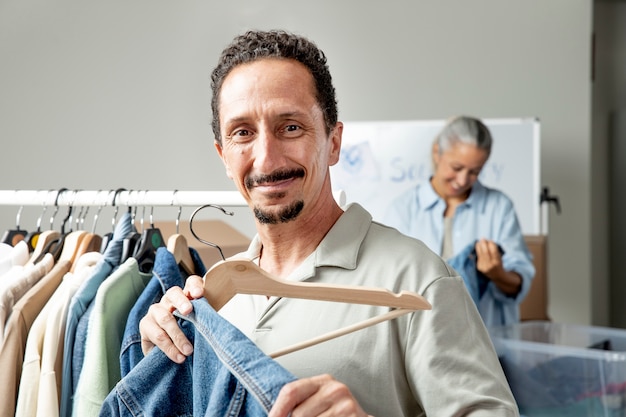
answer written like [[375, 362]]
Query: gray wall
[[100, 95]]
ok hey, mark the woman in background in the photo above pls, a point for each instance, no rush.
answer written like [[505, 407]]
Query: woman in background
[[473, 227]]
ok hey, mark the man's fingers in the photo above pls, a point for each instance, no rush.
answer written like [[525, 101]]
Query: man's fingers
[[292, 394], [194, 287], [159, 327]]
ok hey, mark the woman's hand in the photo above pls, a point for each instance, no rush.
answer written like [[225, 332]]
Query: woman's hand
[[159, 326], [316, 396], [488, 258], [489, 262]]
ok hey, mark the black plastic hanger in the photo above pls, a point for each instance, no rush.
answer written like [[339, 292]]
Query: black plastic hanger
[[145, 251], [53, 243], [33, 237], [107, 237], [14, 236]]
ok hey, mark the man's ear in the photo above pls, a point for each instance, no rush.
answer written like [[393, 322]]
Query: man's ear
[[219, 150], [335, 144]]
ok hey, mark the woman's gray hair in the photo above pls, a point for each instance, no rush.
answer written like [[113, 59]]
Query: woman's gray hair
[[464, 129]]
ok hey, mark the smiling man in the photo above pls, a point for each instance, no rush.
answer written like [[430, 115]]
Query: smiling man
[[277, 131]]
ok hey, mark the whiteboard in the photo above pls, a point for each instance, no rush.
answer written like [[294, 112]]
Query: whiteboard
[[381, 159]]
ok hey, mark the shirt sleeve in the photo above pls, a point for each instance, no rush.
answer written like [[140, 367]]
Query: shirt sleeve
[[450, 345], [516, 256]]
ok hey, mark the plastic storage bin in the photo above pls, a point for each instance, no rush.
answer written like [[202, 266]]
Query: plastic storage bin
[[564, 370]]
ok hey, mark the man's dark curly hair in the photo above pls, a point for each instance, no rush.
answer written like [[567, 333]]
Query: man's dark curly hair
[[254, 45]]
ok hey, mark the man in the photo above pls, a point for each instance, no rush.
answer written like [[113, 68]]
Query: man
[[276, 130]]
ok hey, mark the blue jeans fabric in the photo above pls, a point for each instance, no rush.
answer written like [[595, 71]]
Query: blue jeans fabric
[[227, 375], [165, 274], [495, 307], [465, 264]]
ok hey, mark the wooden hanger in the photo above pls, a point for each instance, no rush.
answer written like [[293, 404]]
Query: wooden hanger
[[43, 241], [90, 242], [71, 245], [241, 276], [177, 246]]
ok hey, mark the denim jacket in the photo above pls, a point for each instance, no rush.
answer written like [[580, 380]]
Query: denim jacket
[[165, 274], [495, 307], [227, 375]]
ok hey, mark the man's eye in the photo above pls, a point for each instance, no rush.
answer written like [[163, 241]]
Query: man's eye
[[240, 135], [292, 131], [241, 132]]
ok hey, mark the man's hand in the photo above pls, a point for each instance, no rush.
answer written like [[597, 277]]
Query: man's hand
[[316, 396], [159, 326]]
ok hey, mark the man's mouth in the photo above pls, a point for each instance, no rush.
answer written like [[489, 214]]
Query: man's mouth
[[274, 177]]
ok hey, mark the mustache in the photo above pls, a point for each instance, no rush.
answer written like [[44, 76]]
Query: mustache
[[274, 177]]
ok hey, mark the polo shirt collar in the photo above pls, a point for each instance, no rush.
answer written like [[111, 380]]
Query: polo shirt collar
[[339, 248]]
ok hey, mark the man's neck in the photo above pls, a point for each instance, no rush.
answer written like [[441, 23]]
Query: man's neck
[[286, 245]]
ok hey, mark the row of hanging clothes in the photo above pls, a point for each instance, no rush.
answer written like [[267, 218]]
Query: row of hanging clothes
[[71, 301]]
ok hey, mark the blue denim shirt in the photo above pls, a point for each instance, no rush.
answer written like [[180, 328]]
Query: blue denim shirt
[[227, 375], [165, 275]]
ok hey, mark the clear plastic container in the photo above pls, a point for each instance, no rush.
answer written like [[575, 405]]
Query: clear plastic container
[[564, 370]]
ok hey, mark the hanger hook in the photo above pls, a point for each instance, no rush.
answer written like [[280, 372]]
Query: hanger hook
[[113, 204], [180, 209], [17, 218], [151, 219], [56, 206], [206, 242], [133, 212], [143, 210], [68, 217], [79, 216], [45, 206], [82, 214], [95, 216]]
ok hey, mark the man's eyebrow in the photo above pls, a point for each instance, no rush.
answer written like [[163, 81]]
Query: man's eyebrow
[[282, 115]]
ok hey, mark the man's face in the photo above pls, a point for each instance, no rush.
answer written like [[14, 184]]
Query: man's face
[[274, 144]]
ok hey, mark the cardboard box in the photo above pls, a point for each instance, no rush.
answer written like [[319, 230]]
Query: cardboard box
[[535, 305], [230, 240]]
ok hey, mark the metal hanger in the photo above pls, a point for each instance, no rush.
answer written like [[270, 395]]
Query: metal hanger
[[90, 242], [177, 245], [107, 237], [129, 244], [72, 240], [206, 242]]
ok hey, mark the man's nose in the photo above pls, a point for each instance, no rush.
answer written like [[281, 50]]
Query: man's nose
[[267, 150]]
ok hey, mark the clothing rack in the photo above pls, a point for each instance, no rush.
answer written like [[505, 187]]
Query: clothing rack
[[66, 197], [121, 197]]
